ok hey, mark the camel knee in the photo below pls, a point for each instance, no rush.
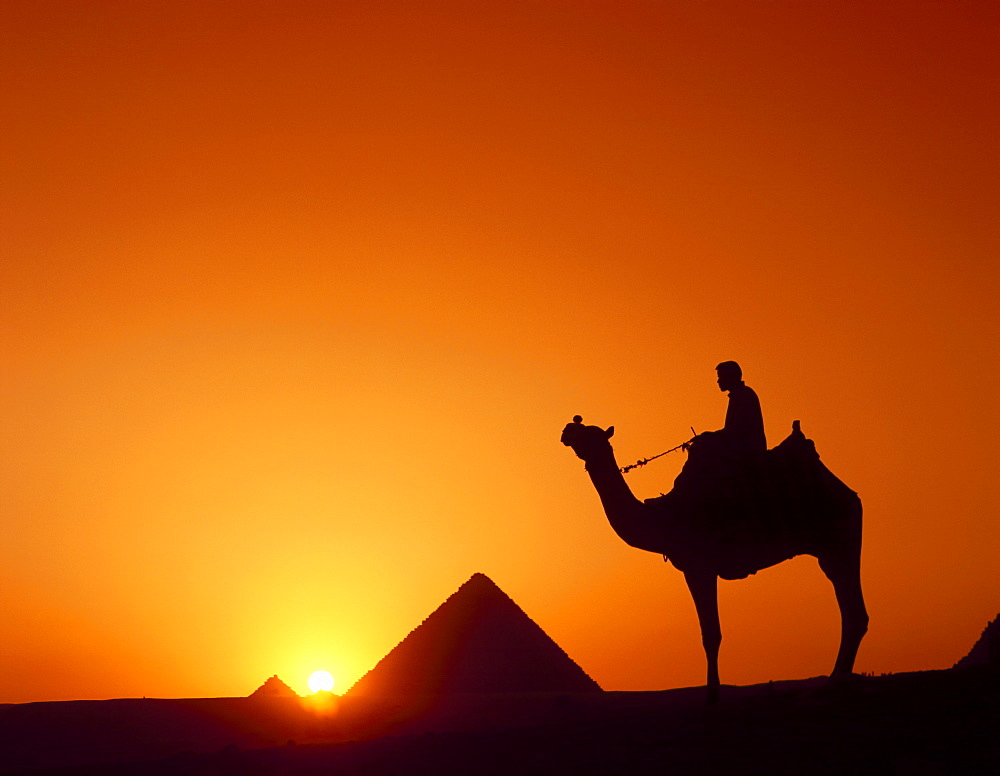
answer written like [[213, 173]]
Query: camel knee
[[858, 625], [711, 641], [855, 618]]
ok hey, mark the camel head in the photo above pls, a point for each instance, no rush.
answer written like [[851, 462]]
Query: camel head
[[588, 442]]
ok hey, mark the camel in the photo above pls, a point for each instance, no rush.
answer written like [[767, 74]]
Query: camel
[[728, 528]]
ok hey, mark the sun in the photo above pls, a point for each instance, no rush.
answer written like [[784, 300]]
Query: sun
[[321, 680]]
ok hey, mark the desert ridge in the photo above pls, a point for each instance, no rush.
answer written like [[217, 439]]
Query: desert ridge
[[924, 722], [478, 680]]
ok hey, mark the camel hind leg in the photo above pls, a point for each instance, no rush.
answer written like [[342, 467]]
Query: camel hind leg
[[842, 567]]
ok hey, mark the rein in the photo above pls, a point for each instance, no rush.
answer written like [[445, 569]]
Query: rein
[[644, 461]]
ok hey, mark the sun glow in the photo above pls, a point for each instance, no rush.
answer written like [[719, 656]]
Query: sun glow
[[321, 680]]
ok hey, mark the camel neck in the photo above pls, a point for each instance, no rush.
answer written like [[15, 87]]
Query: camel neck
[[629, 517], [619, 503]]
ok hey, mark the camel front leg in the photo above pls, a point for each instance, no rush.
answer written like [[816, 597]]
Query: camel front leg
[[705, 593]]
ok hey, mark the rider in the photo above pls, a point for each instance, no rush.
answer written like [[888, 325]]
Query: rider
[[744, 430], [730, 459]]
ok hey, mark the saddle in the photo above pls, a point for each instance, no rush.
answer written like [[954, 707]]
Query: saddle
[[751, 510]]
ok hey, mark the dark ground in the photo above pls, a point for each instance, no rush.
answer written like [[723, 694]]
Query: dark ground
[[932, 722]]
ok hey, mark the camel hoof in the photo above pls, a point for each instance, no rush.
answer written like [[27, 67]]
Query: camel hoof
[[842, 685], [712, 695]]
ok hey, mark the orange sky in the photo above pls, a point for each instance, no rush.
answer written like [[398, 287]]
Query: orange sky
[[297, 297]]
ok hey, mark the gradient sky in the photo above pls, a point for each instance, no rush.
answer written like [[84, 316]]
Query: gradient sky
[[297, 297]]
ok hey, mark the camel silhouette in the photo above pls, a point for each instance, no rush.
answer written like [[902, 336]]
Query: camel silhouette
[[790, 505]]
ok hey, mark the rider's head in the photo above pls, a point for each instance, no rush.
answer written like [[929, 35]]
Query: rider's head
[[730, 375]]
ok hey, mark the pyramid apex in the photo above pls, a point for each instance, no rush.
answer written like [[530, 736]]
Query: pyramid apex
[[273, 687], [479, 578]]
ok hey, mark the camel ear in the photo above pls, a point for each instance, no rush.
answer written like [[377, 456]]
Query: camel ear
[[610, 432]]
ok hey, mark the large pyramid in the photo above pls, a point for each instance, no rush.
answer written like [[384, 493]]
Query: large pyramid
[[477, 641]]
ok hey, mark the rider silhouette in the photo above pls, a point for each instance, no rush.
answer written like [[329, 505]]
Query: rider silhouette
[[743, 433]]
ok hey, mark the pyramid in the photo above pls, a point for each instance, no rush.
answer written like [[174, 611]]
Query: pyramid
[[274, 688], [477, 641], [986, 651]]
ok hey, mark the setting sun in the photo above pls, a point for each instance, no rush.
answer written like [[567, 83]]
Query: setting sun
[[321, 680]]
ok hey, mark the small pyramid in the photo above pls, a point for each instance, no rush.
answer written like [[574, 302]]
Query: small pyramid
[[274, 688], [986, 651], [477, 641]]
